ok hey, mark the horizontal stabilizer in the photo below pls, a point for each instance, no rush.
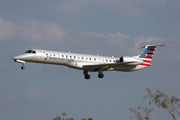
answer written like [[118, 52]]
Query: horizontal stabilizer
[[154, 46]]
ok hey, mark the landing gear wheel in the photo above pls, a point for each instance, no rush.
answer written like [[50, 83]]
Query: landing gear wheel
[[87, 76], [23, 67], [101, 75]]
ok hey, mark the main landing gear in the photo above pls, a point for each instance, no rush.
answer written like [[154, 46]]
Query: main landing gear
[[100, 75], [86, 75]]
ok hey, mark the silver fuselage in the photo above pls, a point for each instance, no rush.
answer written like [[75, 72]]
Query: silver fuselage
[[72, 60]]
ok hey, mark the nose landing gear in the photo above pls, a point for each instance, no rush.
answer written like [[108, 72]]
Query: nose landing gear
[[20, 61], [23, 67]]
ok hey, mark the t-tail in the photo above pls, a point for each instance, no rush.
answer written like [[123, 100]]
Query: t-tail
[[148, 53]]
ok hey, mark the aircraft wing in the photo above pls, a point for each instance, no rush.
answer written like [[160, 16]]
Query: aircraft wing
[[104, 66]]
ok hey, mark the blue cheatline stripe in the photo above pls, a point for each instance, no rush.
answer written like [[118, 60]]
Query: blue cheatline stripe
[[143, 53], [145, 48], [142, 56]]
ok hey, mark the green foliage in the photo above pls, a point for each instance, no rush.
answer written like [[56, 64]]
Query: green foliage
[[64, 114], [138, 115], [161, 100], [90, 119]]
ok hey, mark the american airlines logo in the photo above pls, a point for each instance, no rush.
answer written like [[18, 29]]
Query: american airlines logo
[[47, 57]]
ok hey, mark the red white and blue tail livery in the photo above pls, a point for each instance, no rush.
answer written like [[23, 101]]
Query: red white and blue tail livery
[[147, 54], [89, 63]]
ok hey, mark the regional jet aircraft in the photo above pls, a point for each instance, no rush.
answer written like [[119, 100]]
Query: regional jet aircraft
[[89, 63]]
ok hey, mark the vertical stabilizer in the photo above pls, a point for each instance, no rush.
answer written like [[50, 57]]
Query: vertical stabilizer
[[147, 54]]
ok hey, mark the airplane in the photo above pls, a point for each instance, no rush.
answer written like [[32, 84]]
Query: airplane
[[89, 63]]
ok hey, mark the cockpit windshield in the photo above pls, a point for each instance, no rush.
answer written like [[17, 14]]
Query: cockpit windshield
[[34, 52], [31, 51]]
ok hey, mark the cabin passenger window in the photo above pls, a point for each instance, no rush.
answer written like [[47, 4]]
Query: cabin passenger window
[[106, 60], [82, 58], [94, 58], [62, 55], [114, 61], [66, 56], [110, 61], [90, 58], [74, 56], [70, 56], [46, 54], [54, 55]]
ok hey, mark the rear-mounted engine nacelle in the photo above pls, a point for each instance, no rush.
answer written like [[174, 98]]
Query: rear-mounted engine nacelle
[[131, 61]]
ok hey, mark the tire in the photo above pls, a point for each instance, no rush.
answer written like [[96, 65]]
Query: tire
[[87, 76], [101, 75], [23, 67]]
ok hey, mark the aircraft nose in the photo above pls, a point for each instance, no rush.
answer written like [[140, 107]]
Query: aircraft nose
[[16, 57], [19, 57]]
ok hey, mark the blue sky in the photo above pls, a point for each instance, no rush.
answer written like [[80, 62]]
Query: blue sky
[[116, 27]]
